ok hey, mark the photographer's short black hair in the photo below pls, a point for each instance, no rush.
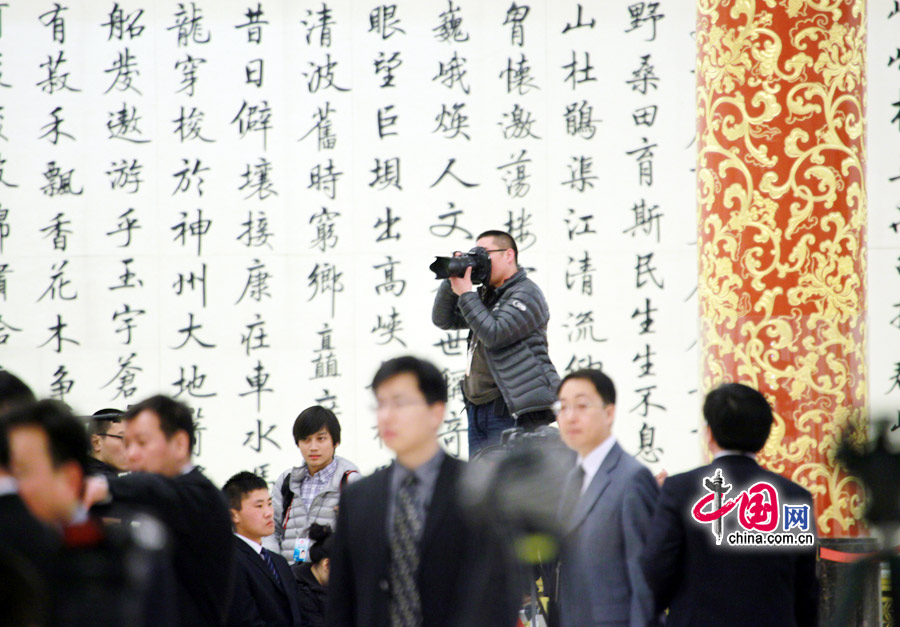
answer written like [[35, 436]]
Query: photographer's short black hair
[[312, 419], [13, 392], [98, 423], [174, 416], [240, 485], [504, 240], [322, 536], [739, 417], [66, 438], [602, 383], [429, 379]]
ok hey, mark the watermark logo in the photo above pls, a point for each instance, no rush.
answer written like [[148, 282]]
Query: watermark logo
[[758, 513]]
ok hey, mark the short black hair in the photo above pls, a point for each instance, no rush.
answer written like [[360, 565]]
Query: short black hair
[[98, 423], [174, 416], [321, 535], [739, 417], [312, 419], [504, 239], [602, 383], [13, 392], [240, 485], [66, 438], [429, 379]]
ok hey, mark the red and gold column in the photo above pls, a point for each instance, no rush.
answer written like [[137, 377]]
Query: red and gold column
[[782, 227]]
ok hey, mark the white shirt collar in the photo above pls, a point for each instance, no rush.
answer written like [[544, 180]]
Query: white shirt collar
[[253, 545], [80, 517], [593, 460], [8, 485]]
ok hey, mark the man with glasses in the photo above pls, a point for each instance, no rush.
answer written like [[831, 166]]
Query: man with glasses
[[403, 552], [510, 380], [605, 512], [107, 433]]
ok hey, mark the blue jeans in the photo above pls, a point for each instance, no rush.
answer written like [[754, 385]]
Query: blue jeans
[[486, 423]]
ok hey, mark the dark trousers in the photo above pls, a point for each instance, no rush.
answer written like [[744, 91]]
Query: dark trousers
[[487, 423]]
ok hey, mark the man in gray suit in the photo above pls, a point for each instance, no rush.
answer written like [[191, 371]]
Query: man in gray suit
[[606, 512]]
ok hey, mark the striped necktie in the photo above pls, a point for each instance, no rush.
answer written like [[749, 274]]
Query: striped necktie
[[406, 603], [271, 564]]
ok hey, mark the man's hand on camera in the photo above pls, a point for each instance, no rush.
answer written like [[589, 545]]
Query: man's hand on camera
[[461, 285]]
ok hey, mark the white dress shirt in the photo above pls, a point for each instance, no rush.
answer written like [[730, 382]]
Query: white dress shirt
[[592, 461]]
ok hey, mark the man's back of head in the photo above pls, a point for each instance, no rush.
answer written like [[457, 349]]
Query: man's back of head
[[159, 436], [739, 417]]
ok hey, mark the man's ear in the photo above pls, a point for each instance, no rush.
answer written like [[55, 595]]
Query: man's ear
[[95, 444], [438, 411], [182, 443], [73, 475], [235, 516]]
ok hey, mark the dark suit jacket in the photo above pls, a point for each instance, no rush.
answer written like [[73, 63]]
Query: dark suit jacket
[[96, 467], [95, 583], [703, 583], [453, 555], [22, 533], [601, 582], [27, 556], [259, 600], [203, 551]]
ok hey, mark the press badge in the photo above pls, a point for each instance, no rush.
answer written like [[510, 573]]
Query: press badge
[[301, 550]]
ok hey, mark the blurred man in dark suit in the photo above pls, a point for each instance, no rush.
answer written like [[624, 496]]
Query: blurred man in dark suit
[[691, 566], [159, 437], [99, 576], [27, 544], [403, 553]]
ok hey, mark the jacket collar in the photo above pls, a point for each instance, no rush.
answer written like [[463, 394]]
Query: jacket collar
[[516, 278]]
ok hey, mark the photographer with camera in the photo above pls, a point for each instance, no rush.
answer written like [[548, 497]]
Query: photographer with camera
[[510, 380]]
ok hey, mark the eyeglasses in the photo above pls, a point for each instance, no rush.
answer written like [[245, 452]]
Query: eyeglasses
[[578, 408], [110, 435], [398, 404]]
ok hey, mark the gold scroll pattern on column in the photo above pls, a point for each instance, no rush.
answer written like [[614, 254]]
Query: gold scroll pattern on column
[[782, 219]]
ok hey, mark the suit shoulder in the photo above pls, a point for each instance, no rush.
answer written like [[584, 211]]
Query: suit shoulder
[[356, 490], [688, 481], [787, 486]]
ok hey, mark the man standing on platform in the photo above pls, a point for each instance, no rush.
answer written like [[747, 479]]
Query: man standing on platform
[[510, 380], [697, 561]]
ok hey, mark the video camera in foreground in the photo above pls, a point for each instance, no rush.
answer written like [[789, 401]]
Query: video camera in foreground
[[478, 259]]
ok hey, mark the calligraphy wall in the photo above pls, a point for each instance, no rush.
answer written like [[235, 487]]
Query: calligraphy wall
[[236, 203], [884, 209]]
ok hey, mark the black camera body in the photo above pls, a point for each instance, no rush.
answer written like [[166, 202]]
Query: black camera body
[[478, 259]]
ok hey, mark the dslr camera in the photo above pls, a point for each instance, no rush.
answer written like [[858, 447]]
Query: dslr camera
[[478, 259]]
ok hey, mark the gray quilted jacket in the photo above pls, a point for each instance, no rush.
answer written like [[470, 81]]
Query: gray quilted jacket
[[513, 329], [322, 509]]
